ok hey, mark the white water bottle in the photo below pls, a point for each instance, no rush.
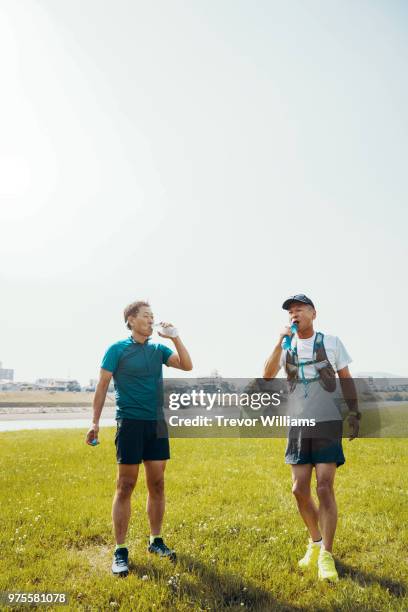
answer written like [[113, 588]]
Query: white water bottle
[[170, 331]]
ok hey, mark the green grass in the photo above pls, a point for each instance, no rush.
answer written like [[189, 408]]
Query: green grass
[[230, 514]]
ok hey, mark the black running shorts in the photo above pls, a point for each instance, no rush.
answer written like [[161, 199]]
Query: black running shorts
[[139, 440], [319, 444]]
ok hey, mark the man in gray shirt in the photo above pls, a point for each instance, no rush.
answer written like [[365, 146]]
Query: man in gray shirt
[[311, 362]]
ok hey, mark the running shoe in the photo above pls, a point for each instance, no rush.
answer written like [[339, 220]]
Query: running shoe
[[311, 556], [120, 562], [158, 547], [327, 569]]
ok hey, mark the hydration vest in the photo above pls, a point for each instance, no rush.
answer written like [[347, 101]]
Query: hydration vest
[[326, 374]]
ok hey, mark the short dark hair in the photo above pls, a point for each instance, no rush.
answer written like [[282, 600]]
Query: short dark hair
[[132, 309]]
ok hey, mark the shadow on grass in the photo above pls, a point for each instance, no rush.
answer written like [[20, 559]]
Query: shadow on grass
[[397, 589], [220, 591]]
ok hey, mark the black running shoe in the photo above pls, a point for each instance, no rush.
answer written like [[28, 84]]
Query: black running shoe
[[120, 562], [158, 547]]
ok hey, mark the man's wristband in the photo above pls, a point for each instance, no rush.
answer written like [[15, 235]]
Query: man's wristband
[[355, 414]]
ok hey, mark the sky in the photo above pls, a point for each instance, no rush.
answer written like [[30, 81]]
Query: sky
[[212, 157]]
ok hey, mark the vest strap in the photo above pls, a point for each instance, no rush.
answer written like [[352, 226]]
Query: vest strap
[[318, 343]]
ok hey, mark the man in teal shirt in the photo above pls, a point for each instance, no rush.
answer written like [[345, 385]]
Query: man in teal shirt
[[136, 367]]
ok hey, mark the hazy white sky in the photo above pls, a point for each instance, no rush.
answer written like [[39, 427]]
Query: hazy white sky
[[213, 157]]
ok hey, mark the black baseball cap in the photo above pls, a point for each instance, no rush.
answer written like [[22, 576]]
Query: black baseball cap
[[300, 297]]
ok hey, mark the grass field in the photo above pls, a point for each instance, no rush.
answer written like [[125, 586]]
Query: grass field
[[230, 515]]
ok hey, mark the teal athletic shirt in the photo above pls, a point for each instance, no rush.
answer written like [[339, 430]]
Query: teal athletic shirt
[[138, 377]]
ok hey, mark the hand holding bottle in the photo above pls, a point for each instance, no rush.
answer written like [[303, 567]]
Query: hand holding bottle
[[167, 330], [287, 336]]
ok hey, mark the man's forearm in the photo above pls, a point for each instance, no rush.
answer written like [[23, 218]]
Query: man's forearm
[[98, 402], [185, 359], [272, 364], [349, 391]]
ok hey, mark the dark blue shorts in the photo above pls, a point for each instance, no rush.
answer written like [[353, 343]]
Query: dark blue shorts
[[138, 440], [319, 444]]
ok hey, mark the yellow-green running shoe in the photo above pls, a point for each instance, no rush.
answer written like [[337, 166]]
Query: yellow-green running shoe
[[327, 569], [311, 556]]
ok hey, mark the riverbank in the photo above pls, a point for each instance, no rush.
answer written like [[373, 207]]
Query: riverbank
[[49, 399], [23, 413]]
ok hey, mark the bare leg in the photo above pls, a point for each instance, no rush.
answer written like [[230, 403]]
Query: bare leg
[[325, 473], [155, 504], [301, 476], [125, 483]]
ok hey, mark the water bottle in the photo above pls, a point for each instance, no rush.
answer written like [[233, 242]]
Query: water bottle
[[167, 331], [287, 340]]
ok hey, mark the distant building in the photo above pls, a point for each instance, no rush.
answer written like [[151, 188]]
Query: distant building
[[7, 385], [6, 374], [371, 384], [58, 384], [93, 383]]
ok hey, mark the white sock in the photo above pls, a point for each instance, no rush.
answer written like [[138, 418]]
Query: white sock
[[319, 542], [153, 537]]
